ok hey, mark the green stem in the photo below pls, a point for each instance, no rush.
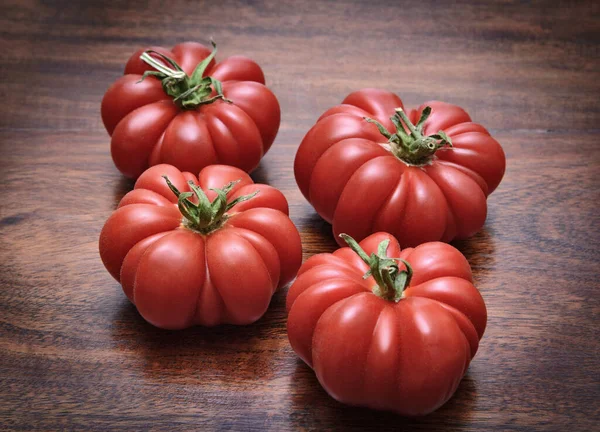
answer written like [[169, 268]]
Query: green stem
[[391, 281], [161, 67], [415, 148], [413, 130], [206, 216], [188, 92]]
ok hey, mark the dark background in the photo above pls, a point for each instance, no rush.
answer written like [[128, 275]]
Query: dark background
[[75, 354]]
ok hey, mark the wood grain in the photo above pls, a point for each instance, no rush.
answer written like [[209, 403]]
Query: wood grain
[[74, 354]]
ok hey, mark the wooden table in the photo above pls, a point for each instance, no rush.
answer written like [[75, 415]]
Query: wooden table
[[75, 354]]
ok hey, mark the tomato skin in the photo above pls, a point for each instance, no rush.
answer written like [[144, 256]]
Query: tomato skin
[[148, 128], [178, 277], [407, 357], [360, 187]]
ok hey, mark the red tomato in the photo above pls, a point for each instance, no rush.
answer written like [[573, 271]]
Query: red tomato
[[400, 340], [425, 184], [221, 263], [189, 111]]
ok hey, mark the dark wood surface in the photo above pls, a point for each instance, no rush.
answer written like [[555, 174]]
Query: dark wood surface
[[74, 354]]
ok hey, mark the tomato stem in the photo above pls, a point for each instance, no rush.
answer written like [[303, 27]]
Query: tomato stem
[[206, 216], [188, 92], [412, 148], [391, 281]]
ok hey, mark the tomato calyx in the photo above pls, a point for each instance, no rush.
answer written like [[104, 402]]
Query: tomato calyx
[[412, 148], [188, 92], [206, 216], [391, 281]]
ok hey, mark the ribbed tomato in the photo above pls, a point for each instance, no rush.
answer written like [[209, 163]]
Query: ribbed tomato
[[400, 339], [200, 251], [182, 108], [366, 166]]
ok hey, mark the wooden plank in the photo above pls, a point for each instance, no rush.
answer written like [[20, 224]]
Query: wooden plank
[[74, 354], [512, 65]]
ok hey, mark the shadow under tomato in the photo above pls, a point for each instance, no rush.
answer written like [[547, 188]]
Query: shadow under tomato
[[316, 233], [261, 174], [120, 188], [312, 406], [222, 353], [480, 251]]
